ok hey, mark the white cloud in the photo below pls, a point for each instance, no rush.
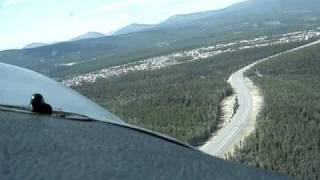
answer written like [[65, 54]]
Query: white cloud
[[116, 6], [10, 3], [119, 6]]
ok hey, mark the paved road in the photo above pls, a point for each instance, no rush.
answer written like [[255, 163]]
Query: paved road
[[228, 136]]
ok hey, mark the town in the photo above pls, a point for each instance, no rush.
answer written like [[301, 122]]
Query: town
[[190, 56]]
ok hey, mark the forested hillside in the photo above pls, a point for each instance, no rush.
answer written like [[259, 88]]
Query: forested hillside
[[182, 100], [287, 137]]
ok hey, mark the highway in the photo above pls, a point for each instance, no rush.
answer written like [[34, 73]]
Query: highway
[[228, 136]]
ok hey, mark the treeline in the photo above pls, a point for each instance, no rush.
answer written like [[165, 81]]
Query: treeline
[[287, 137], [182, 100]]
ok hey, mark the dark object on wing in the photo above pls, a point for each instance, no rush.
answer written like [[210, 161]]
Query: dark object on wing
[[39, 105], [19, 84]]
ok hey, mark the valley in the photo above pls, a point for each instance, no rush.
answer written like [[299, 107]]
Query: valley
[[180, 100], [174, 78]]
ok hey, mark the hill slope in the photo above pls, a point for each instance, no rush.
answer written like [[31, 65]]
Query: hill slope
[[88, 35], [34, 45], [133, 28]]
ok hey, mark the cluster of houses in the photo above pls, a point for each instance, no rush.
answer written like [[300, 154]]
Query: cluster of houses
[[190, 56]]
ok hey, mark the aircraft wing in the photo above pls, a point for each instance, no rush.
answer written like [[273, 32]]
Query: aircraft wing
[[18, 84]]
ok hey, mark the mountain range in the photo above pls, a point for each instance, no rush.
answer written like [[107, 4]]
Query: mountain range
[[252, 18], [34, 45], [133, 28], [88, 35]]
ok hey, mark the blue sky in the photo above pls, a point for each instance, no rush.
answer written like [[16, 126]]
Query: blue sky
[[26, 21]]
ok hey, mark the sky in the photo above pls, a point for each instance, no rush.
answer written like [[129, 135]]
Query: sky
[[26, 21]]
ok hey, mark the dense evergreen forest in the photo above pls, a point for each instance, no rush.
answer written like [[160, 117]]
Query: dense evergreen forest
[[287, 137], [182, 100]]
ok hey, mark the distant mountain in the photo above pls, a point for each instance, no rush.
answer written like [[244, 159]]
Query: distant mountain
[[88, 35], [133, 28], [249, 7], [247, 19], [34, 45]]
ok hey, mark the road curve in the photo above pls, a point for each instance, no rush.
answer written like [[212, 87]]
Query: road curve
[[227, 136]]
